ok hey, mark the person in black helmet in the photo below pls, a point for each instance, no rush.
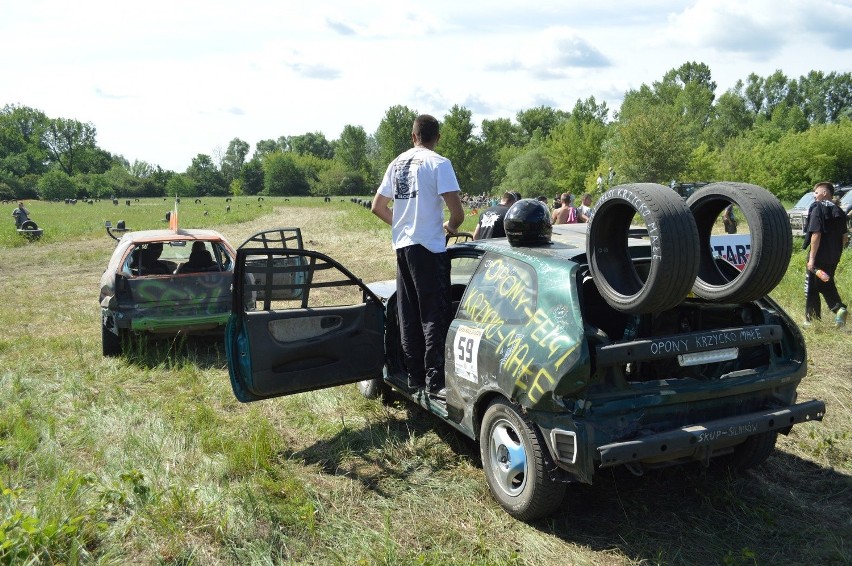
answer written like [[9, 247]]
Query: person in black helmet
[[527, 223]]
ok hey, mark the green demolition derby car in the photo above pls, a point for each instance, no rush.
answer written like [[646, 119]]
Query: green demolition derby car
[[595, 346], [169, 282]]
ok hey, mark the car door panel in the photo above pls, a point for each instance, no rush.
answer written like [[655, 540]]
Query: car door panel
[[294, 352], [284, 337]]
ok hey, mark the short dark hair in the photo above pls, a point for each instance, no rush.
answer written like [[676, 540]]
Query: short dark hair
[[827, 185], [508, 197], [425, 128]]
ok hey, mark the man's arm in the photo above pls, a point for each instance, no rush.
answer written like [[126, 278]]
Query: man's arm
[[381, 209], [816, 238], [453, 201]]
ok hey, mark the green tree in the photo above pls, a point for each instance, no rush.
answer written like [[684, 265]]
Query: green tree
[[703, 164], [689, 89], [283, 177], [140, 169], [233, 160], [21, 149], [311, 143], [652, 146], [501, 141], [56, 184], [181, 185], [574, 146], [67, 143], [459, 146], [394, 134], [206, 177], [541, 120], [338, 179], [351, 150], [530, 174], [754, 93], [731, 117], [265, 147], [815, 90], [251, 175]]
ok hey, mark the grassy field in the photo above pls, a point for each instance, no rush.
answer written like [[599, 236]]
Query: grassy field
[[149, 459]]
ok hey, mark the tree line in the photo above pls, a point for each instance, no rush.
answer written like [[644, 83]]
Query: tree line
[[782, 133]]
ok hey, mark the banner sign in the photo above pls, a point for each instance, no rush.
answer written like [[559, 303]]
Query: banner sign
[[736, 248]]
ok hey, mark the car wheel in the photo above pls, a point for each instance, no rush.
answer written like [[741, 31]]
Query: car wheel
[[111, 343], [771, 242], [751, 453], [515, 464], [373, 388], [673, 263]]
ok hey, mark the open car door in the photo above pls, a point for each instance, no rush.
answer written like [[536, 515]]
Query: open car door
[[299, 321]]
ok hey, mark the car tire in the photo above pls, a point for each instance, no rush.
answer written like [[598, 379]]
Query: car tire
[[515, 462], [771, 242], [373, 388], [29, 225], [751, 453], [111, 344], [674, 248]]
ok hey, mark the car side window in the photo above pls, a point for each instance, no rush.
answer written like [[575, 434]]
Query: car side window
[[502, 291]]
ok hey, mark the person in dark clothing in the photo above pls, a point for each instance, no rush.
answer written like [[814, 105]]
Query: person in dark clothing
[[21, 215], [825, 234], [729, 220], [490, 223], [151, 262]]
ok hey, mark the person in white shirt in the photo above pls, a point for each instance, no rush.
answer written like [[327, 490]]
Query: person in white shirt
[[418, 183]]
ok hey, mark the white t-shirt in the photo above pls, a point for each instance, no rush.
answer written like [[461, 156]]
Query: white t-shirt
[[415, 181]]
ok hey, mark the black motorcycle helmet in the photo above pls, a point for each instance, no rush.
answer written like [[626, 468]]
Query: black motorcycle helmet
[[527, 223]]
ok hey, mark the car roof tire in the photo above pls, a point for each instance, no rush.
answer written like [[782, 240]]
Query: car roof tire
[[771, 241], [673, 253]]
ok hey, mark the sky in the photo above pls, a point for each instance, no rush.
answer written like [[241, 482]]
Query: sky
[[164, 81]]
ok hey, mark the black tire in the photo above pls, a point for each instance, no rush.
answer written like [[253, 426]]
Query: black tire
[[515, 462], [771, 242], [674, 241], [751, 453], [373, 388], [29, 225], [111, 343]]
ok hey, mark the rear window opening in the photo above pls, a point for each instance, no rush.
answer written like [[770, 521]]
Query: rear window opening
[[605, 325]]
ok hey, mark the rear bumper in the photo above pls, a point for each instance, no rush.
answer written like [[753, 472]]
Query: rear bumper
[[699, 439], [157, 323]]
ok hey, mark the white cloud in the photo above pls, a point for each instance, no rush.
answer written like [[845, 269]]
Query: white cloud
[[165, 80]]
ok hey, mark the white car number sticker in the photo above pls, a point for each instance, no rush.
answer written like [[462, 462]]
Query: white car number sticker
[[465, 350]]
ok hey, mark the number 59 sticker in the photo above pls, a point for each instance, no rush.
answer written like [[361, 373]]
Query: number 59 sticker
[[465, 350]]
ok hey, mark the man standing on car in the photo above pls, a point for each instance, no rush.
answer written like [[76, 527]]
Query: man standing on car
[[825, 233], [491, 221], [419, 182]]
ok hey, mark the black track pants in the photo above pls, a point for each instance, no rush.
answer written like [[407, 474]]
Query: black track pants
[[423, 299]]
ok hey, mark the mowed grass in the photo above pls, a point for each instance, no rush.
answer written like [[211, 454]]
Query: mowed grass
[[149, 459]]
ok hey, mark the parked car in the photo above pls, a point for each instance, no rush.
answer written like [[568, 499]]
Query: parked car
[[166, 282], [799, 213], [596, 349], [685, 190]]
